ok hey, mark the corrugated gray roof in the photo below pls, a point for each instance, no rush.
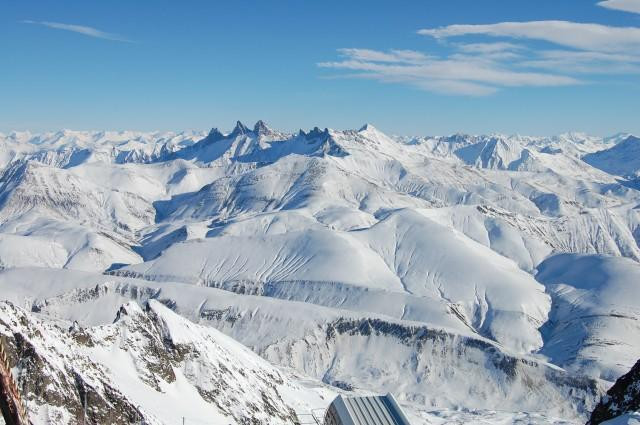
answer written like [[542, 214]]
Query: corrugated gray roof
[[377, 410]]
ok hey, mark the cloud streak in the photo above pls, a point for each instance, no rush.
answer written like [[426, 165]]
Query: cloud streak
[[80, 29], [632, 6], [460, 74], [399, 56], [580, 53], [581, 36], [585, 62], [498, 47]]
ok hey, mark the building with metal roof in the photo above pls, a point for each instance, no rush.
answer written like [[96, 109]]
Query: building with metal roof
[[377, 410]]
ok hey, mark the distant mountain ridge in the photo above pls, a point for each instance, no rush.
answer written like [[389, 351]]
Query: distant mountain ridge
[[623, 159]]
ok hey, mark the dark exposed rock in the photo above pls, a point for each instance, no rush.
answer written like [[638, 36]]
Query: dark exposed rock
[[261, 128], [215, 135], [55, 371], [239, 130], [622, 397], [43, 383], [581, 390]]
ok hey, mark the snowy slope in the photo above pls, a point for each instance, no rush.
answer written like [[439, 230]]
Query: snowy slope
[[595, 311], [323, 250], [430, 366], [149, 364], [491, 295]]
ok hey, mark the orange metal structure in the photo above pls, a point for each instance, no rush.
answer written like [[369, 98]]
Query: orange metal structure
[[11, 404]]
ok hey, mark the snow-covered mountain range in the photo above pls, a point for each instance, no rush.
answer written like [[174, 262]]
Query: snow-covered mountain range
[[478, 278]]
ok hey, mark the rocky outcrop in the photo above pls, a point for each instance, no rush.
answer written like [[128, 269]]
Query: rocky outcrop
[[622, 398], [56, 381], [146, 366]]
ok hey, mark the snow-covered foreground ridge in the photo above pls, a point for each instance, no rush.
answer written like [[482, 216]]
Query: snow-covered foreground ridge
[[148, 365], [460, 272]]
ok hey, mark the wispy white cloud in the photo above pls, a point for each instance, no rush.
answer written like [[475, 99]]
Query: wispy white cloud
[[80, 29], [500, 51], [593, 37], [584, 62], [456, 87], [632, 6], [489, 47], [443, 86], [400, 56], [477, 67], [463, 74]]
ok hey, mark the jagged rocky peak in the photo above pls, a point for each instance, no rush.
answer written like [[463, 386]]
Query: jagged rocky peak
[[215, 134], [261, 128], [148, 354], [316, 132], [239, 130], [621, 399]]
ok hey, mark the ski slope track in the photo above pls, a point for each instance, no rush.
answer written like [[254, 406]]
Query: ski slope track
[[255, 274]]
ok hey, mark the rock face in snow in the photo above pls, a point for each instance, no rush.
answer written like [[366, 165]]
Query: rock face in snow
[[470, 260], [149, 365], [623, 399]]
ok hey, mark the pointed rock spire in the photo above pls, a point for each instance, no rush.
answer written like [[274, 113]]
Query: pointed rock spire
[[261, 128], [215, 134], [240, 129], [316, 132]]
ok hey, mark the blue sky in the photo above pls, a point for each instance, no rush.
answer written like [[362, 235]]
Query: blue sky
[[408, 67]]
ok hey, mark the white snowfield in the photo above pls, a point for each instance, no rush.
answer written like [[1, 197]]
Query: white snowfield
[[481, 279]]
